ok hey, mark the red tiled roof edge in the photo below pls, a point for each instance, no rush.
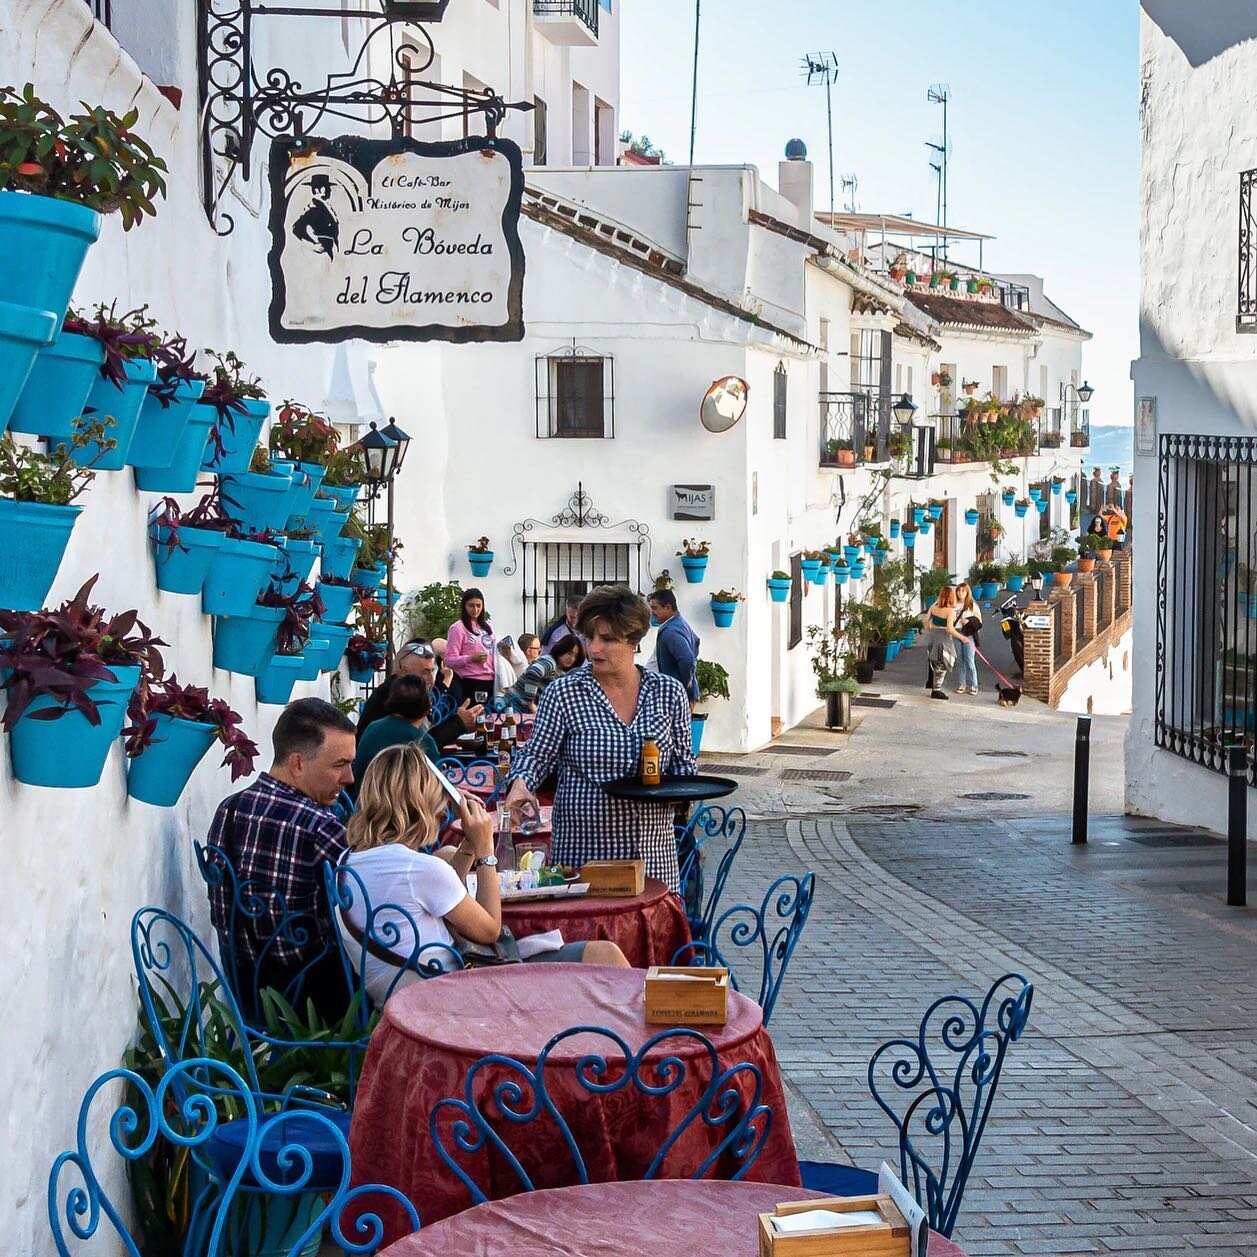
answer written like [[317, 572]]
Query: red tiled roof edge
[[983, 315]]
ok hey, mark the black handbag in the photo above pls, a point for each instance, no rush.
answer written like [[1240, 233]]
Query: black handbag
[[505, 951]]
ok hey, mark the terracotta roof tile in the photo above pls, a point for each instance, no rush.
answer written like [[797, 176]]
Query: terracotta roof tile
[[956, 312]]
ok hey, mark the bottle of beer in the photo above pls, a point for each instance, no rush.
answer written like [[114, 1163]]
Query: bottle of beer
[[504, 756], [504, 848], [651, 774]]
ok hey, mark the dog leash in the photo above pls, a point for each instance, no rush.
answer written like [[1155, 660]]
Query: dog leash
[[994, 669]]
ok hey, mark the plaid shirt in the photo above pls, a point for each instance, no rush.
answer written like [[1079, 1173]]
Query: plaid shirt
[[279, 838], [578, 732]]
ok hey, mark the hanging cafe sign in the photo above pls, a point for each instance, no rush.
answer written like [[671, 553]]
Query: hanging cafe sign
[[388, 240]]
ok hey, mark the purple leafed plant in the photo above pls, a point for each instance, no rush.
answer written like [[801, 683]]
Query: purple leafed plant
[[175, 366], [124, 337], [361, 652], [61, 654], [227, 391], [300, 608], [167, 697]]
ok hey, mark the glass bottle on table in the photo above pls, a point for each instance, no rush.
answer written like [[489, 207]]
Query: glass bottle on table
[[504, 848], [651, 773]]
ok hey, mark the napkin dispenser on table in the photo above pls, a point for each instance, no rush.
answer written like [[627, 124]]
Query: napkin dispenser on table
[[881, 1230], [680, 996], [615, 879]]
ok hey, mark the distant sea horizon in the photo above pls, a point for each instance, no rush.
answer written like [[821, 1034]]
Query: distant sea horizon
[[1112, 445]]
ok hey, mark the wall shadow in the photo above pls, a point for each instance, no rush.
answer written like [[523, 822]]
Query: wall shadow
[[1203, 31]]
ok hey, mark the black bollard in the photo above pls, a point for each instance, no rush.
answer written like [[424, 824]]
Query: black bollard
[[1237, 826], [1082, 778]]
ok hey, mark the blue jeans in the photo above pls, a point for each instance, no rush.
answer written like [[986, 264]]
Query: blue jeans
[[966, 663]]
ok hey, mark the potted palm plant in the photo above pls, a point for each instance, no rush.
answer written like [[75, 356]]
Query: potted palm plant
[[713, 682]]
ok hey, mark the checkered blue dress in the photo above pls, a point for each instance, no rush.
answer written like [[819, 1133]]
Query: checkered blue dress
[[579, 733]]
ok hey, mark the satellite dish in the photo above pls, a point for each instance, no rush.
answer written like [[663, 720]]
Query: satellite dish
[[724, 404]]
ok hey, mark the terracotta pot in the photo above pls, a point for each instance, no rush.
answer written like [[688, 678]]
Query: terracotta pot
[[1104, 556], [844, 458], [1086, 565], [1062, 578]]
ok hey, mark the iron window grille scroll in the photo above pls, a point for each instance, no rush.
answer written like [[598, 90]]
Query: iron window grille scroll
[[240, 101], [1246, 306], [1206, 627], [845, 421], [586, 10], [575, 395]]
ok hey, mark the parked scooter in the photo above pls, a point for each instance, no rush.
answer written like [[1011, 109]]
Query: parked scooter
[[1012, 627]]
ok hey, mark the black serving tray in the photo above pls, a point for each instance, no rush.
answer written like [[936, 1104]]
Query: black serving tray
[[672, 789]]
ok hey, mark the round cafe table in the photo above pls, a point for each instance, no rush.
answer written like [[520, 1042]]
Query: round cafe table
[[649, 928], [665, 1218], [431, 1033]]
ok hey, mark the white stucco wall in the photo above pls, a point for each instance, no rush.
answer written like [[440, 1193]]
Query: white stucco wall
[[1102, 688]]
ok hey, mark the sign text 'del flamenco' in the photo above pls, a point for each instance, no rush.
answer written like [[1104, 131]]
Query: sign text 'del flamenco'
[[396, 240]]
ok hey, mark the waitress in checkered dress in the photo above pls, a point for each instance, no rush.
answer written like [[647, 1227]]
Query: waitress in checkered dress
[[591, 726]]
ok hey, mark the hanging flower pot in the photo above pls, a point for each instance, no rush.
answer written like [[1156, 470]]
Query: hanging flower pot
[[318, 516], [924, 526], [779, 587], [857, 570], [338, 600], [851, 553], [160, 775], [57, 388], [1022, 509], [909, 537], [822, 574], [365, 658], [331, 524], [46, 240], [122, 405], [159, 429], [23, 334], [33, 539], [811, 570], [695, 566], [1008, 498], [183, 560], [1036, 492], [722, 612], [894, 529], [936, 510], [345, 495], [304, 485], [325, 649], [1041, 505], [480, 561], [257, 501], [275, 684], [179, 475], [369, 578], [879, 556], [1057, 487], [1071, 496], [294, 563], [338, 557], [971, 516], [246, 643], [69, 752], [835, 556], [233, 438], [238, 573], [918, 515], [842, 574]]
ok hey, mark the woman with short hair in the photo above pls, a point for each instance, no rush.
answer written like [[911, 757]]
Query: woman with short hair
[[591, 726]]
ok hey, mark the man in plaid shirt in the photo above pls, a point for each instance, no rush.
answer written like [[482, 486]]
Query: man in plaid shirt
[[276, 834]]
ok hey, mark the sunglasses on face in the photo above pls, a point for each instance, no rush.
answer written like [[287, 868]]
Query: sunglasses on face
[[423, 652]]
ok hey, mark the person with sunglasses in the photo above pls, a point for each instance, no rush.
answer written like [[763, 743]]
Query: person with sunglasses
[[418, 658]]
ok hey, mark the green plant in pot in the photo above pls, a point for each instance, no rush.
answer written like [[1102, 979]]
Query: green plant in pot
[[933, 581], [430, 610], [713, 682], [833, 670]]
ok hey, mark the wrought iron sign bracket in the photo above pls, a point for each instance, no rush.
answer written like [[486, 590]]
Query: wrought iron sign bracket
[[238, 103]]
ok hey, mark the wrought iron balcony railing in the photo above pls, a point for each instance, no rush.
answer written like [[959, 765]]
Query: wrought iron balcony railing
[[847, 436], [586, 10], [1080, 429]]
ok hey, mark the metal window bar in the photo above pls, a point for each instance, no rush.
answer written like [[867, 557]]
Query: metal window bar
[[102, 11], [1050, 435], [844, 429], [586, 10], [575, 395], [953, 440], [780, 383], [1206, 625], [552, 570], [1246, 303]]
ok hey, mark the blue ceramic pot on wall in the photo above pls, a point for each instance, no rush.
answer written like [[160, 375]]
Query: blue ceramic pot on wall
[[183, 567], [33, 538], [779, 589], [338, 601], [304, 487], [274, 686], [237, 436], [159, 428], [338, 557], [185, 463], [480, 561], [257, 500], [23, 333], [57, 389], [722, 613], [695, 567], [160, 775], [246, 643], [122, 405], [238, 573]]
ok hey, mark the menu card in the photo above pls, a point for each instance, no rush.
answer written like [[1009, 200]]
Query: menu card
[[888, 1184]]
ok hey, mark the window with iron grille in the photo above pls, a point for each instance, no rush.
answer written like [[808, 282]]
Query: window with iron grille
[[101, 10], [796, 602], [780, 380], [575, 395], [1246, 309], [1206, 660]]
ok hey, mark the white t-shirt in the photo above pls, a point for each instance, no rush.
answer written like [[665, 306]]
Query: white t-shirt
[[426, 887]]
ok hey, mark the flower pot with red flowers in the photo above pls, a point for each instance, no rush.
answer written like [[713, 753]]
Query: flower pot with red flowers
[[172, 726], [68, 677], [57, 177], [240, 409]]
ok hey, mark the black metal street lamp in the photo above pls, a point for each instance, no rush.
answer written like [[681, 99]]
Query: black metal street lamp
[[904, 409], [401, 440], [1085, 392], [379, 453]]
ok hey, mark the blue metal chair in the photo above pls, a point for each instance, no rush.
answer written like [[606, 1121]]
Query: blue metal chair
[[260, 909], [389, 933], [267, 1183], [442, 707], [473, 774], [770, 933], [502, 1095], [708, 822], [939, 1088]]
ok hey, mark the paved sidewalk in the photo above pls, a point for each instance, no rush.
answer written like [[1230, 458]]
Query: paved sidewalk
[[1127, 1117]]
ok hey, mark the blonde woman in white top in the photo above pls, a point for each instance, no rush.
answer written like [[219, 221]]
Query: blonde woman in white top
[[968, 621]]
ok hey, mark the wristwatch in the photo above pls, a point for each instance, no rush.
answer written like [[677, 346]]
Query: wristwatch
[[491, 861]]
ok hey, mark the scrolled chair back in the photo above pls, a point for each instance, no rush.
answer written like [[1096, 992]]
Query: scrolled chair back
[[502, 1095], [480, 776], [442, 707], [939, 1087], [766, 935], [187, 1108], [254, 906], [710, 821], [387, 930]]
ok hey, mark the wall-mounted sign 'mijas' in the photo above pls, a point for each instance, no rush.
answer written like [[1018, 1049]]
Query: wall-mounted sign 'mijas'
[[396, 240]]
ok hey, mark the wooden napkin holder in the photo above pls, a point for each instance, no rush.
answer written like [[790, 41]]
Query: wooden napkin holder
[[892, 1237], [615, 879], [690, 997]]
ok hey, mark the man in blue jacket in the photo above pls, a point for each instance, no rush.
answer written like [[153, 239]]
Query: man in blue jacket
[[676, 646]]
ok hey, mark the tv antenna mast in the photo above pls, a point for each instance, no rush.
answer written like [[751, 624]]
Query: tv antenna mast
[[940, 94], [821, 69], [850, 187]]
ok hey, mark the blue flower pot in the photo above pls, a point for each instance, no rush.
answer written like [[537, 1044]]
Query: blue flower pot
[[338, 558], [870, 546], [811, 569], [1041, 505], [33, 538], [159, 430], [779, 589], [857, 571], [257, 500], [369, 577], [346, 495], [912, 636], [722, 613], [325, 648], [1008, 498], [361, 675], [894, 529], [318, 516], [879, 557], [179, 476], [1022, 510], [182, 569], [1035, 493], [237, 575], [910, 539], [57, 388], [1015, 584], [695, 567], [293, 563], [936, 511], [842, 574], [988, 591], [924, 526], [122, 405], [275, 684], [480, 562], [238, 436], [836, 557], [161, 773], [697, 725], [329, 524], [892, 651], [246, 643], [23, 333], [1071, 496], [1057, 487], [822, 576], [304, 486], [68, 752], [851, 553], [971, 517], [45, 241]]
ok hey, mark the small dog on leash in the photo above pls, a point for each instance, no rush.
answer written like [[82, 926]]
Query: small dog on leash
[[1009, 695]]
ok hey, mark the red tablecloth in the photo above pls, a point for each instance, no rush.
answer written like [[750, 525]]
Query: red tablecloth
[[662, 1219], [432, 1032], [649, 928]]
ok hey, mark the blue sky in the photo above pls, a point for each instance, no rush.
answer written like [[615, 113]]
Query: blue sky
[[1043, 119]]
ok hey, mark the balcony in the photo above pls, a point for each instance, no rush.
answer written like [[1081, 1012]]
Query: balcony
[[1080, 429], [848, 439], [977, 436], [569, 23]]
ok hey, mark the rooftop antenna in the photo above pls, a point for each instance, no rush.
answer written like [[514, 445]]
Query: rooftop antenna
[[698, 13], [940, 94], [850, 187], [821, 69]]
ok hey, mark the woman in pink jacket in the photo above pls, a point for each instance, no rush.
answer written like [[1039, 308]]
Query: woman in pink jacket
[[470, 648]]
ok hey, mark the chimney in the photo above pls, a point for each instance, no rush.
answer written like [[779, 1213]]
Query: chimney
[[794, 182]]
